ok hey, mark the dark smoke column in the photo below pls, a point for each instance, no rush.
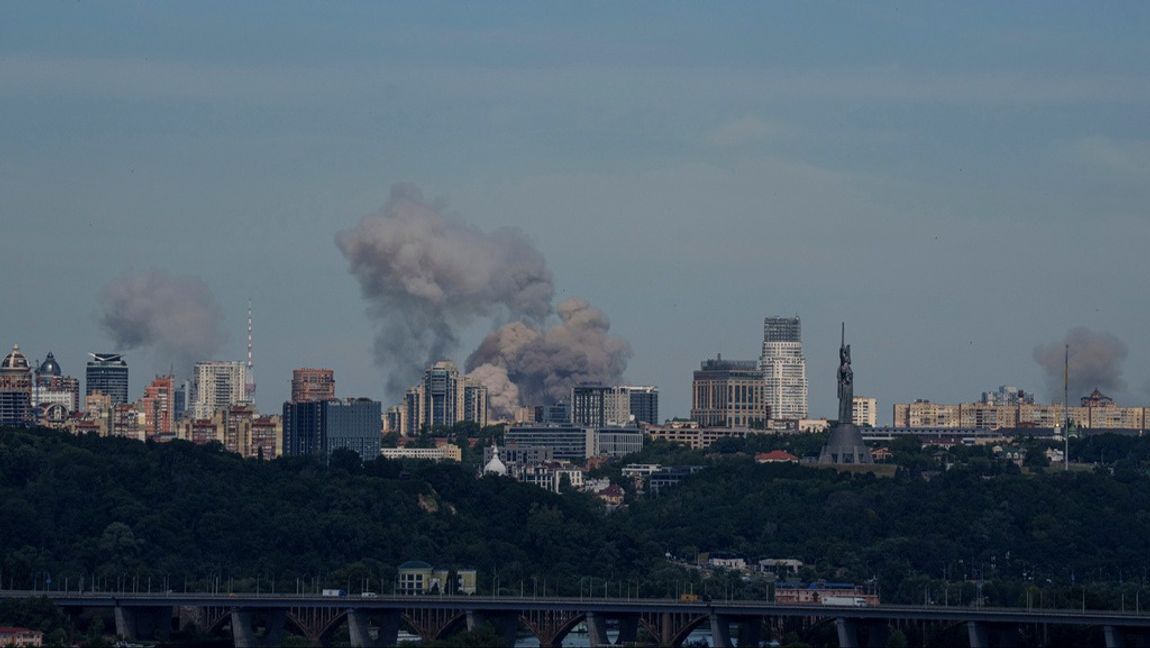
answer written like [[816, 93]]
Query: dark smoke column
[[1095, 362]]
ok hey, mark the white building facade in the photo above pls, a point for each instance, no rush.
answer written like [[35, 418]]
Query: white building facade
[[218, 384], [784, 368]]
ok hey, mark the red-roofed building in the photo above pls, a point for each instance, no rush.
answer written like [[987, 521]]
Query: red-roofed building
[[11, 636], [776, 456], [612, 495]]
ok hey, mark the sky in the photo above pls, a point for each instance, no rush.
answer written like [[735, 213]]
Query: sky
[[958, 182]]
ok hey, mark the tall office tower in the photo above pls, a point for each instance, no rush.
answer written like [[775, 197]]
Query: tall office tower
[[181, 397], [320, 427], [107, 373], [312, 385], [15, 390], [592, 405], [158, 407], [642, 402], [729, 393], [784, 368], [50, 387], [864, 411], [443, 398], [219, 384], [1007, 395]]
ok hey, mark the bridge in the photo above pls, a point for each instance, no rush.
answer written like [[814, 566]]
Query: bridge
[[258, 620]]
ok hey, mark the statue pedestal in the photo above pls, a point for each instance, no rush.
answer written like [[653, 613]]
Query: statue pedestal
[[845, 446]]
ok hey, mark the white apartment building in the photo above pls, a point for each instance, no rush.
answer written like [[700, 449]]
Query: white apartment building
[[784, 368], [864, 411], [218, 384]]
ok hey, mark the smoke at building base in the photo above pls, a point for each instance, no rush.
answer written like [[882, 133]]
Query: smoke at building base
[[1096, 359], [177, 318], [426, 275]]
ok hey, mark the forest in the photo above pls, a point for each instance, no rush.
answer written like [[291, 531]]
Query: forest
[[963, 528]]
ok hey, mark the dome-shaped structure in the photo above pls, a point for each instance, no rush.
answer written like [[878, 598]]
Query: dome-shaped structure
[[15, 361], [496, 465], [49, 367]]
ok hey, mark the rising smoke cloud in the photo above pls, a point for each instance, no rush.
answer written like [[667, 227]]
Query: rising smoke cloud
[[426, 275], [176, 317], [543, 364], [1095, 362]]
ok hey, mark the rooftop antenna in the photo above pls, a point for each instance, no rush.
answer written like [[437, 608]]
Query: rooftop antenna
[[250, 386]]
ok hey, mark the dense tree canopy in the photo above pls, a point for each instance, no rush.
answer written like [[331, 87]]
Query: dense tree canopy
[[123, 512]]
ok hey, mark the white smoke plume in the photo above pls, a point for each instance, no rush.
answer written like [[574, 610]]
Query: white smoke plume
[[1095, 362], [175, 317], [544, 363], [426, 275]]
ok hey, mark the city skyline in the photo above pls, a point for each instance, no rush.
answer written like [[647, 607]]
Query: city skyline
[[963, 175]]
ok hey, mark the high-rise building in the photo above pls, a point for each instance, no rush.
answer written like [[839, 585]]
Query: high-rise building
[[729, 393], [784, 368], [444, 397], [312, 385], [50, 387], [219, 385], [107, 373], [1007, 395], [643, 401], [864, 411], [15, 390], [592, 404], [320, 427], [598, 405], [555, 413], [157, 406], [181, 397]]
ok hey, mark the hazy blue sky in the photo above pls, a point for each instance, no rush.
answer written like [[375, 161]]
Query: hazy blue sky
[[959, 181]]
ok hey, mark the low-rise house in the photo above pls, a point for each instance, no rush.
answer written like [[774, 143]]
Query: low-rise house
[[16, 636]]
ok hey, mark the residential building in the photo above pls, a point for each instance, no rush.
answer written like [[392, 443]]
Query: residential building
[[729, 393], [1094, 411], [15, 390], [107, 373], [51, 387], [592, 405], [444, 397], [448, 452], [18, 637], [157, 408], [695, 436], [1007, 395], [596, 405], [312, 385], [320, 427], [864, 411], [784, 368], [776, 456], [219, 384]]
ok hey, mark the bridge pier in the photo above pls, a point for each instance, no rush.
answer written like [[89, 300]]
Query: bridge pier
[[134, 623], [359, 628], [596, 630], [985, 635], [506, 625], [848, 632], [750, 631], [721, 631], [244, 633], [1113, 636]]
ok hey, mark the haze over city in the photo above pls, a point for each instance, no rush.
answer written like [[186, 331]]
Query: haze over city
[[962, 184]]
